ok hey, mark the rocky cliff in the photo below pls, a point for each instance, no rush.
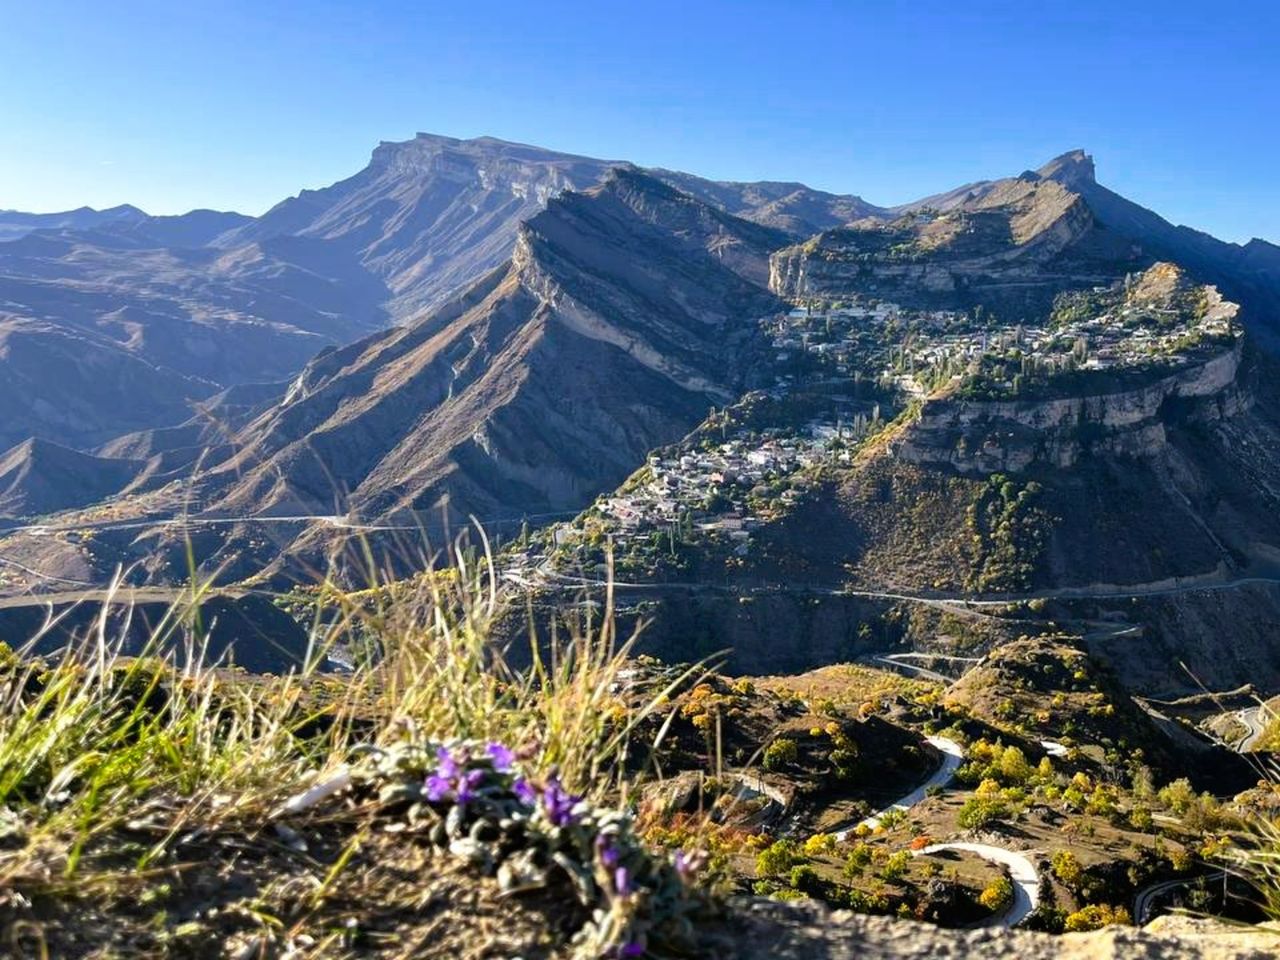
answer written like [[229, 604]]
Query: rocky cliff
[[1010, 250], [981, 437]]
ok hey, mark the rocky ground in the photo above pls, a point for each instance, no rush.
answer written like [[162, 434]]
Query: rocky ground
[[806, 931]]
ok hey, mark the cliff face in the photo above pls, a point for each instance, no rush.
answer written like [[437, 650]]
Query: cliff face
[[976, 437], [610, 331], [1011, 249]]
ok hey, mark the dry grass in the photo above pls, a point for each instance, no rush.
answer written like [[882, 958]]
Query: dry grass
[[115, 770]]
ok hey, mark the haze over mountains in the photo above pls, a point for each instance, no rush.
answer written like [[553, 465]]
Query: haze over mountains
[[496, 326]]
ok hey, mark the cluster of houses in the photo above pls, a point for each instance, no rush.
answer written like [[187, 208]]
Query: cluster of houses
[[909, 349], [707, 488], [723, 490]]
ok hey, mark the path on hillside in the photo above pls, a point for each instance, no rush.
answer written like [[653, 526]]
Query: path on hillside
[[123, 596], [1026, 880], [562, 581], [1144, 900], [1253, 719], [546, 578], [952, 757]]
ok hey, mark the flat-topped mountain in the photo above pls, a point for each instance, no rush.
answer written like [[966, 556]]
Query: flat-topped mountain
[[431, 214]]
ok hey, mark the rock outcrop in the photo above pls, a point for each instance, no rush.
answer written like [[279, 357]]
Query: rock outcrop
[[809, 931], [981, 437], [1010, 250]]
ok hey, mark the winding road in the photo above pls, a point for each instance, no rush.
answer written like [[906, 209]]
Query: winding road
[[1026, 880], [1256, 720], [1022, 871], [1144, 902], [952, 757]]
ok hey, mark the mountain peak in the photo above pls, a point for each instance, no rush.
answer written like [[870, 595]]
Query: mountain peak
[[1072, 169]]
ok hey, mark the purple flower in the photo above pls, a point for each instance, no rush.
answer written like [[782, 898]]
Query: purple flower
[[525, 792], [452, 780], [501, 756], [447, 765], [622, 882], [607, 851], [558, 803], [633, 948], [438, 788], [467, 783], [687, 864]]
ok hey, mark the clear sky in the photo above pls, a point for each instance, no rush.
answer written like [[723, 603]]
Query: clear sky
[[240, 103]]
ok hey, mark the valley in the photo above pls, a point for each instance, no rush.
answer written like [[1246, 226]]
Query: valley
[[967, 512]]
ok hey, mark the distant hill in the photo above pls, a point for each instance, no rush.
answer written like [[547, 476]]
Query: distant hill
[[791, 207], [15, 224], [37, 476]]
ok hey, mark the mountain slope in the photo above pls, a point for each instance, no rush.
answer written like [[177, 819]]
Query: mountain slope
[[430, 214], [625, 312], [105, 333], [37, 477], [1248, 274], [1009, 247]]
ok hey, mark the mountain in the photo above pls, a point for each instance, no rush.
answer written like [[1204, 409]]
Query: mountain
[[37, 477], [197, 228], [791, 207], [107, 332], [1010, 247], [948, 480], [431, 214], [623, 314], [1249, 274], [15, 224], [177, 308]]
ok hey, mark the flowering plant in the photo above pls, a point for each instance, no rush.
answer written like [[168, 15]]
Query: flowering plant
[[478, 802]]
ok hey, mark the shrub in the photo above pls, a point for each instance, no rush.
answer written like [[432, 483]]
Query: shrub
[[805, 879], [777, 859], [820, 844], [1014, 768], [997, 895], [857, 860], [780, 754], [895, 868], [985, 807], [1095, 917], [1067, 869]]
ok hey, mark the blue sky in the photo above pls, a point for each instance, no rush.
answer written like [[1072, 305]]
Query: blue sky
[[236, 104]]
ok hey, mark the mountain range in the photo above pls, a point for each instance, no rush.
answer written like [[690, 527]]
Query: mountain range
[[485, 326]]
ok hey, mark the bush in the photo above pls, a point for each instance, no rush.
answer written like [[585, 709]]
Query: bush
[[1095, 917], [857, 860], [1067, 869], [805, 879], [780, 753], [895, 868], [820, 844], [777, 859], [985, 807], [997, 895]]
